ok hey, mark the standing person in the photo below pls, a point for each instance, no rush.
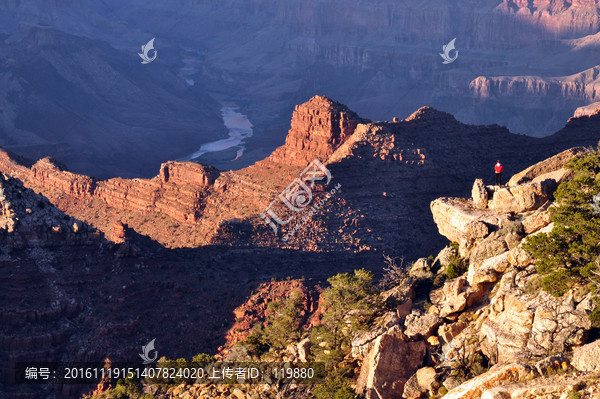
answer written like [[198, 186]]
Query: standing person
[[498, 168]]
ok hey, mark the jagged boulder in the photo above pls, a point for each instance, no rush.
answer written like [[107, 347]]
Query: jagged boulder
[[451, 298], [459, 220], [538, 219], [479, 194], [412, 389], [507, 237], [421, 326], [380, 376], [488, 270], [447, 332], [422, 384], [362, 343], [303, 349], [524, 197]]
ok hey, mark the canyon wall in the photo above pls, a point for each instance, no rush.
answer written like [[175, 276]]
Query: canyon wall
[[178, 191], [583, 86]]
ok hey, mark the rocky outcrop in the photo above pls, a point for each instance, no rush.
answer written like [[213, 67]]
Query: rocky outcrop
[[538, 219], [49, 174], [483, 225], [28, 220], [587, 110], [255, 311], [557, 16], [521, 325], [421, 326], [319, 127], [524, 197], [380, 376], [549, 165], [178, 191], [459, 221], [497, 375], [479, 194]]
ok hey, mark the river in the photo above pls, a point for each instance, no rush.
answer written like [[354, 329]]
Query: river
[[239, 128]]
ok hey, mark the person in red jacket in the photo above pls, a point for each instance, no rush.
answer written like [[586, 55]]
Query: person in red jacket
[[498, 168]]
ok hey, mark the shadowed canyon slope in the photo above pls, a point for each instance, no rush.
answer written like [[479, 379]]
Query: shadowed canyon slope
[[388, 173]]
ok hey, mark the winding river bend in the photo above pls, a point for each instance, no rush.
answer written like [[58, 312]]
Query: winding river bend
[[239, 128]]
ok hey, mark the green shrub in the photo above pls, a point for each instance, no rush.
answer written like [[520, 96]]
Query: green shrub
[[281, 326], [567, 254], [574, 395], [456, 267], [350, 304], [335, 386], [125, 389], [284, 321], [256, 342], [595, 317], [203, 359]]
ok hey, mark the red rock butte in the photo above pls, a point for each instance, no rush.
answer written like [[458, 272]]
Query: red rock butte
[[319, 127]]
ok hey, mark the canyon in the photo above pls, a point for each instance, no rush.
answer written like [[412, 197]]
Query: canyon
[[190, 241], [266, 56], [388, 173], [488, 332]]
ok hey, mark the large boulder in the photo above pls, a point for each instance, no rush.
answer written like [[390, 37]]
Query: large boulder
[[447, 332], [524, 197], [538, 219], [587, 357], [488, 270], [507, 237], [421, 326], [451, 298], [380, 377], [459, 220], [551, 164]]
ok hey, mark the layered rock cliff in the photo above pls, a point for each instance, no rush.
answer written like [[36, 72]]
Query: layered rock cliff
[[319, 127], [178, 191]]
